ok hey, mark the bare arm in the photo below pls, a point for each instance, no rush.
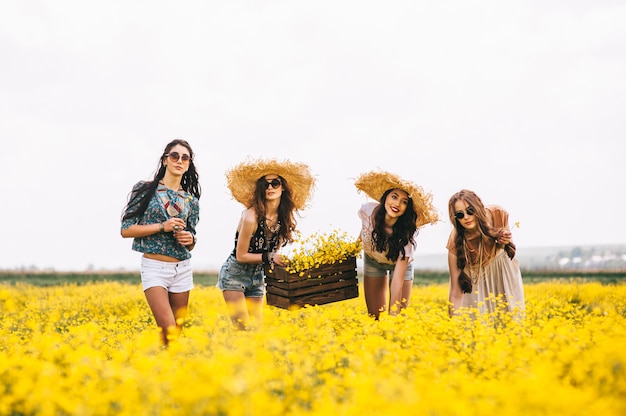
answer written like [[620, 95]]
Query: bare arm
[[455, 296], [247, 226], [396, 303]]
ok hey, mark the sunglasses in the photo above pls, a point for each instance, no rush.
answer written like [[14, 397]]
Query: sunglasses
[[175, 157], [459, 215], [274, 183]]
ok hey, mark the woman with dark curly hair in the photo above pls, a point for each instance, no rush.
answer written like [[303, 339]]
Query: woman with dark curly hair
[[388, 231], [483, 270], [161, 216]]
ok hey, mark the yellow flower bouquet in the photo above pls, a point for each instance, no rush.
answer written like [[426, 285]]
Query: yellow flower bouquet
[[321, 249]]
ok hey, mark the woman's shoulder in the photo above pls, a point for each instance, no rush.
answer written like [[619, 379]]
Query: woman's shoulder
[[450, 244], [368, 207], [249, 215], [139, 188]]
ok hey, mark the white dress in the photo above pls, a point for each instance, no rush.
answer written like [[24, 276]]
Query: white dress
[[496, 279], [499, 280]]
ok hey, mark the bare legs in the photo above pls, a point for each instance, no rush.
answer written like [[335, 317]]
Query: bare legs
[[169, 310], [377, 294], [245, 312]]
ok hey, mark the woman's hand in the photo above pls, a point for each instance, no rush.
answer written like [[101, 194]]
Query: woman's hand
[[455, 295], [184, 238], [504, 236], [278, 259], [174, 224]]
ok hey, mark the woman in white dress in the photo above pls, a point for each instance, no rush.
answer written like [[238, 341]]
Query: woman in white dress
[[483, 270]]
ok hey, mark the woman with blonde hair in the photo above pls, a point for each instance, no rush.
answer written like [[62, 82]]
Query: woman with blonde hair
[[271, 191], [483, 270]]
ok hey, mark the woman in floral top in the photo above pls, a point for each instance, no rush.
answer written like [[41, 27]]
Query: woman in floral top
[[161, 216]]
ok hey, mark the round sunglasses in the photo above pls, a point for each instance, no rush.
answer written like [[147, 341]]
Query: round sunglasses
[[274, 183], [175, 157], [459, 215]]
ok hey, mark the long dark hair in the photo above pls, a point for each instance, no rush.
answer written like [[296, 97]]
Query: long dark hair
[[140, 198], [487, 231], [286, 209], [403, 231]]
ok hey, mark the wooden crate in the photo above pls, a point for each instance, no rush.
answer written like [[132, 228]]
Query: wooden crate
[[325, 284]]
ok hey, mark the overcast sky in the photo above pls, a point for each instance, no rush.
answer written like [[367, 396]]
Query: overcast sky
[[520, 101]]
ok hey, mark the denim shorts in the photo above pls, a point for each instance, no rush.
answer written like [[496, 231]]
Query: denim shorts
[[176, 277], [372, 268], [242, 277]]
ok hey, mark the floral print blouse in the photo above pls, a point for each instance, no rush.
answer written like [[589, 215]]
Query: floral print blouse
[[157, 212]]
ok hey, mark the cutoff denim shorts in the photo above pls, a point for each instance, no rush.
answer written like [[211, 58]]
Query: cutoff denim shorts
[[242, 277], [372, 268], [176, 277]]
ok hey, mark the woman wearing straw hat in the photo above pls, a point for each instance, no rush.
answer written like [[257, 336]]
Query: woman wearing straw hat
[[161, 216], [388, 232], [481, 274], [271, 191]]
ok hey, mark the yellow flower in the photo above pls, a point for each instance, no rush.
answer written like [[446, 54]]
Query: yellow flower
[[94, 349], [320, 249]]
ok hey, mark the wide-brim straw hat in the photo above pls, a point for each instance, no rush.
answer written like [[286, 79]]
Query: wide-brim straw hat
[[242, 179], [376, 183]]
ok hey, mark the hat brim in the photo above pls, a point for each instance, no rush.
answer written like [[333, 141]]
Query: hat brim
[[375, 183], [242, 178]]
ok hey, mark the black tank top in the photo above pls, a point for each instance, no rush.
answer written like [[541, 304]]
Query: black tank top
[[259, 242]]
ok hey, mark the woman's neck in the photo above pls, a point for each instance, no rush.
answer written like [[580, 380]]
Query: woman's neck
[[172, 182], [271, 208], [472, 234]]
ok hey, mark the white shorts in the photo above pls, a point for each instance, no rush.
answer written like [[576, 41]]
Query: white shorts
[[176, 277]]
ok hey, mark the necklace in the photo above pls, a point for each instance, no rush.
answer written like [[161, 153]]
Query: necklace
[[273, 229], [473, 269]]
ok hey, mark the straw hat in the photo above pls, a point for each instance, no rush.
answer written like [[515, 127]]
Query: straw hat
[[242, 179], [376, 183]]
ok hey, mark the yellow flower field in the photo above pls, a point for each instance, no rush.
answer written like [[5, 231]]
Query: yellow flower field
[[93, 350]]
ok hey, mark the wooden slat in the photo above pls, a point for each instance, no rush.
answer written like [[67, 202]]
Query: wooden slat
[[313, 299], [311, 289], [279, 272], [349, 275]]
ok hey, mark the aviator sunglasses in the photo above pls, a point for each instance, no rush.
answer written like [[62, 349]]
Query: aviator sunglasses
[[459, 215], [274, 183], [175, 157]]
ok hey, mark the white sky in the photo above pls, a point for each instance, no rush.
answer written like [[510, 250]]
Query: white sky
[[520, 101]]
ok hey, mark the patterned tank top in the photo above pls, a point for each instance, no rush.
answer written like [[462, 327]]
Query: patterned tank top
[[259, 241]]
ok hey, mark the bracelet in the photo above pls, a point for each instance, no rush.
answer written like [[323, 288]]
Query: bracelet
[[161, 227]]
